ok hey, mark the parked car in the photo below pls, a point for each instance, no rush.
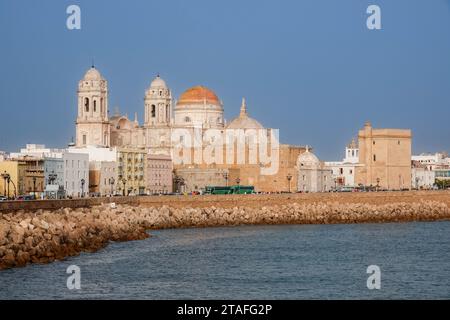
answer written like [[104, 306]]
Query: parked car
[[25, 198], [2, 198]]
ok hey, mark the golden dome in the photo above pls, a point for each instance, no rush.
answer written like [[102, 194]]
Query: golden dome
[[198, 95]]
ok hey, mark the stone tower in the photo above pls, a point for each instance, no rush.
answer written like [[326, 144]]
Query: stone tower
[[158, 117], [158, 104], [92, 123]]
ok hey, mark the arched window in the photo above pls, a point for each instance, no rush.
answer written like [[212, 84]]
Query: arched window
[[153, 110], [86, 104], [187, 119], [95, 105], [167, 112]]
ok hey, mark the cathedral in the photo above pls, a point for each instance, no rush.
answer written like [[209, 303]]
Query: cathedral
[[198, 108]]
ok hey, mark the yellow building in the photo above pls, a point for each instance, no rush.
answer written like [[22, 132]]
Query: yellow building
[[26, 176], [10, 168], [385, 158], [131, 163]]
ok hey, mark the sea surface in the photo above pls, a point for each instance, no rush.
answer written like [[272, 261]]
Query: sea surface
[[253, 262]]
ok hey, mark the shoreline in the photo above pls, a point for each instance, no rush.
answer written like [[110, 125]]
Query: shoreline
[[43, 236]]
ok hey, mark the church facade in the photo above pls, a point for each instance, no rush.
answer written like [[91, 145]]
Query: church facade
[[197, 112]]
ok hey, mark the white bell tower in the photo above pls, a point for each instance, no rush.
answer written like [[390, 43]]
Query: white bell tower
[[158, 104], [352, 152], [92, 123]]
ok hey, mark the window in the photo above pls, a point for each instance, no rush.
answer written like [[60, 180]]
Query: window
[[153, 111], [374, 158], [398, 142], [373, 142], [86, 104], [341, 171], [187, 119], [351, 171], [84, 139], [95, 105]]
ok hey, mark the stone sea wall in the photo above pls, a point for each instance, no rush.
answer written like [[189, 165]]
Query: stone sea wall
[[42, 236]]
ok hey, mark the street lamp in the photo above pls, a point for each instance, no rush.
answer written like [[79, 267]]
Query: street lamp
[[7, 180], [124, 181], [82, 187], [5, 177], [34, 187], [289, 177], [225, 175], [111, 182]]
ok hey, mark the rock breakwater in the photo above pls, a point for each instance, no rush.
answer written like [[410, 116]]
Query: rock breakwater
[[44, 236]]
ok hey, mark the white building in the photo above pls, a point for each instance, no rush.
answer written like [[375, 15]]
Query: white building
[[428, 169], [431, 160], [102, 168], [96, 153], [422, 177], [344, 171], [53, 171], [313, 176], [74, 174], [3, 155]]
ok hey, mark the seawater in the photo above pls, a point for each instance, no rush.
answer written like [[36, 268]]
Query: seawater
[[253, 262]]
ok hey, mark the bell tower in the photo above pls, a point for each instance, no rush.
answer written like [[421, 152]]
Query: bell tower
[[158, 104], [92, 123]]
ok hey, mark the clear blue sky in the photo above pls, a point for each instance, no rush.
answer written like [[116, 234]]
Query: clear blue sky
[[310, 68]]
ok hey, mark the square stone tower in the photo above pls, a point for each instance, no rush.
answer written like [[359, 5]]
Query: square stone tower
[[385, 158]]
